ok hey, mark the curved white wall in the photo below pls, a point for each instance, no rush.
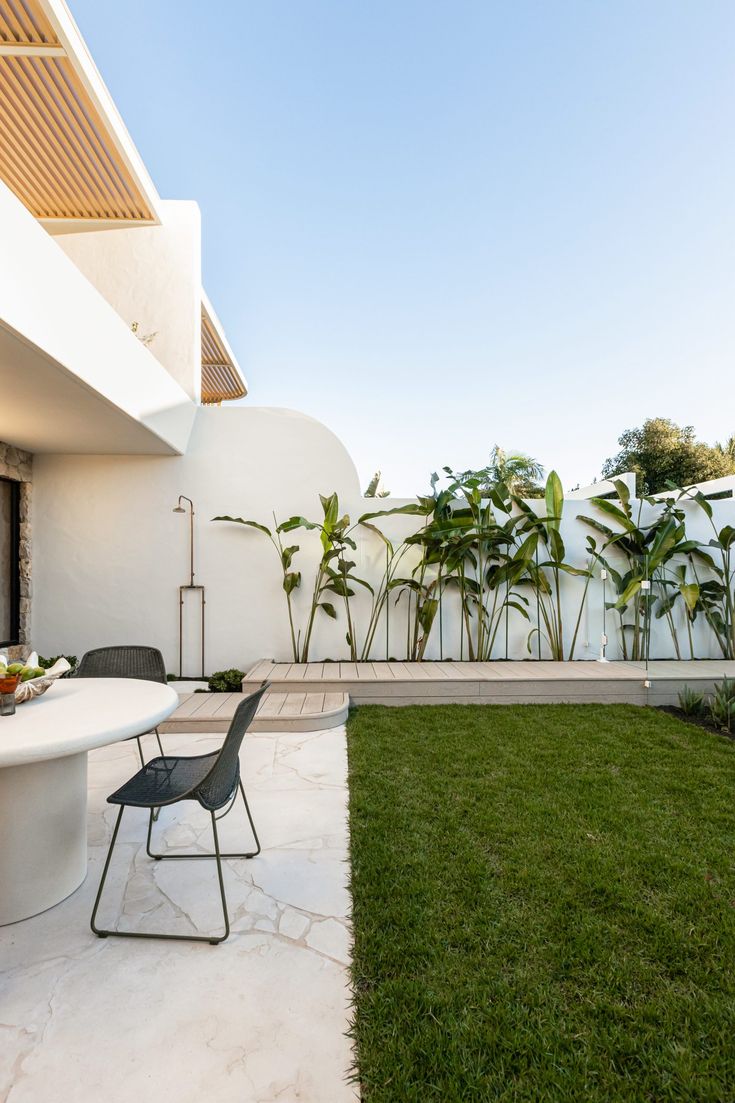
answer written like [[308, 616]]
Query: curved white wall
[[109, 553]]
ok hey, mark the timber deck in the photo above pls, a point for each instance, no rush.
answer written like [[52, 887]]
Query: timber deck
[[314, 696], [404, 683]]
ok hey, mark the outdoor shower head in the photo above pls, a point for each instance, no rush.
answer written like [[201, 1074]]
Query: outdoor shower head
[[179, 509]]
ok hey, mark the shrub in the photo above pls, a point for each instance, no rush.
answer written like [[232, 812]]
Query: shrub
[[227, 681], [47, 663], [691, 703], [722, 705]]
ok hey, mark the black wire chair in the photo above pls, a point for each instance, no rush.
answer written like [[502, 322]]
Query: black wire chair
[[144, 663], [211, 779]]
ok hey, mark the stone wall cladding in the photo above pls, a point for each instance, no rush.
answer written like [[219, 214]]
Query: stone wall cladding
[[18, 465]]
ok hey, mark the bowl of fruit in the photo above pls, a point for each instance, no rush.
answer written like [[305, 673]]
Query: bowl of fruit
[[30, 679]]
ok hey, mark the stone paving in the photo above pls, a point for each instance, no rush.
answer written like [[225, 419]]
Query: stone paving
[[262, 1018]]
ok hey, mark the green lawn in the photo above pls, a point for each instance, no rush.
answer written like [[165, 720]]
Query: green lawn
[[544, 904]]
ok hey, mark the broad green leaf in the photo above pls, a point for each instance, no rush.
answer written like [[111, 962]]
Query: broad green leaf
[[556, 546], [376, 530], [527, 549], [518, 607], [702, 502], [250, 524], [330, 505], [291, 581], [629, 592], [554, 499], [339, 586], [287, 556], [296, 523], [690, 593], [727, 536], [612, 510], [622, 492], [578, 572]]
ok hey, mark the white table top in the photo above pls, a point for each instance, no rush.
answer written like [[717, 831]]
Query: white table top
[[79, 714]]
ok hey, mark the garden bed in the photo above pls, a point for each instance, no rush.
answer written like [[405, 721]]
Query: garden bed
[[701, 720], [543, 904]]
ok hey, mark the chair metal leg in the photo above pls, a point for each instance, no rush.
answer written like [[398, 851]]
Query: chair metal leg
[[101, 932], [140, 750], [189, 856], [214, 941], [252, 825], [156, 811], [97, 931]]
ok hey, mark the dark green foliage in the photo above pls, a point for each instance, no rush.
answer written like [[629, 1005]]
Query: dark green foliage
[[691, 702], [664, 454], [47, 663], [227, 681], [515, 471], [722, 705], [543, 905]]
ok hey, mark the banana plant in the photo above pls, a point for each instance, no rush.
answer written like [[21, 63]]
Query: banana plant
[[464, 547], [290, 579], [679, 590], [543, 554], [423, 586], [718, 592], [647, 551], [390, 581], [335, 573]]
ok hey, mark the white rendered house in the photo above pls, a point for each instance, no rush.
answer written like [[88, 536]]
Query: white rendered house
[[113, 366]]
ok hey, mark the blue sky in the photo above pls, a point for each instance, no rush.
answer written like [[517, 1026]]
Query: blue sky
[[437, 226]]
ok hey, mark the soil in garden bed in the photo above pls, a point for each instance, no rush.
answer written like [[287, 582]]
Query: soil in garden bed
[[697, 721]]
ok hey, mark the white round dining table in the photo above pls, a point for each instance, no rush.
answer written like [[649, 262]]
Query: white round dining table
[[43, 781]]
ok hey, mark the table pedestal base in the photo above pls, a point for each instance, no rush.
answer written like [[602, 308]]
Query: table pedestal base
[[43, 834]]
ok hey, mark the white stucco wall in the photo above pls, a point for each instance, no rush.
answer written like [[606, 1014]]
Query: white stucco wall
[[152, 275], [79, 361], [109, 553]]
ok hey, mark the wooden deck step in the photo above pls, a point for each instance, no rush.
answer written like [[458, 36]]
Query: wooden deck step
[[279, 711]]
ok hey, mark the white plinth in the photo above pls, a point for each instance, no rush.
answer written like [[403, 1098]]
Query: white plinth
[[43, 811], [43, 782]]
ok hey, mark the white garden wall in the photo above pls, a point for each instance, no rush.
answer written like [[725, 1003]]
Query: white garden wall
[[109, 553]]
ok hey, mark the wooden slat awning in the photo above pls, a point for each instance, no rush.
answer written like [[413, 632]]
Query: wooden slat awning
[[221, 380], [57, 150]]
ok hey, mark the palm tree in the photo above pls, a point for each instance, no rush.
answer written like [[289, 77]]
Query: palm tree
[[519, 472]]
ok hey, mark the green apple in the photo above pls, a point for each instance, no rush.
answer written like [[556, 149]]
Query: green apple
[[16, 668]]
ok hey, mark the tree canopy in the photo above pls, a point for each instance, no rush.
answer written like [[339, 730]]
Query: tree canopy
[[519, 472], [662, 453]]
